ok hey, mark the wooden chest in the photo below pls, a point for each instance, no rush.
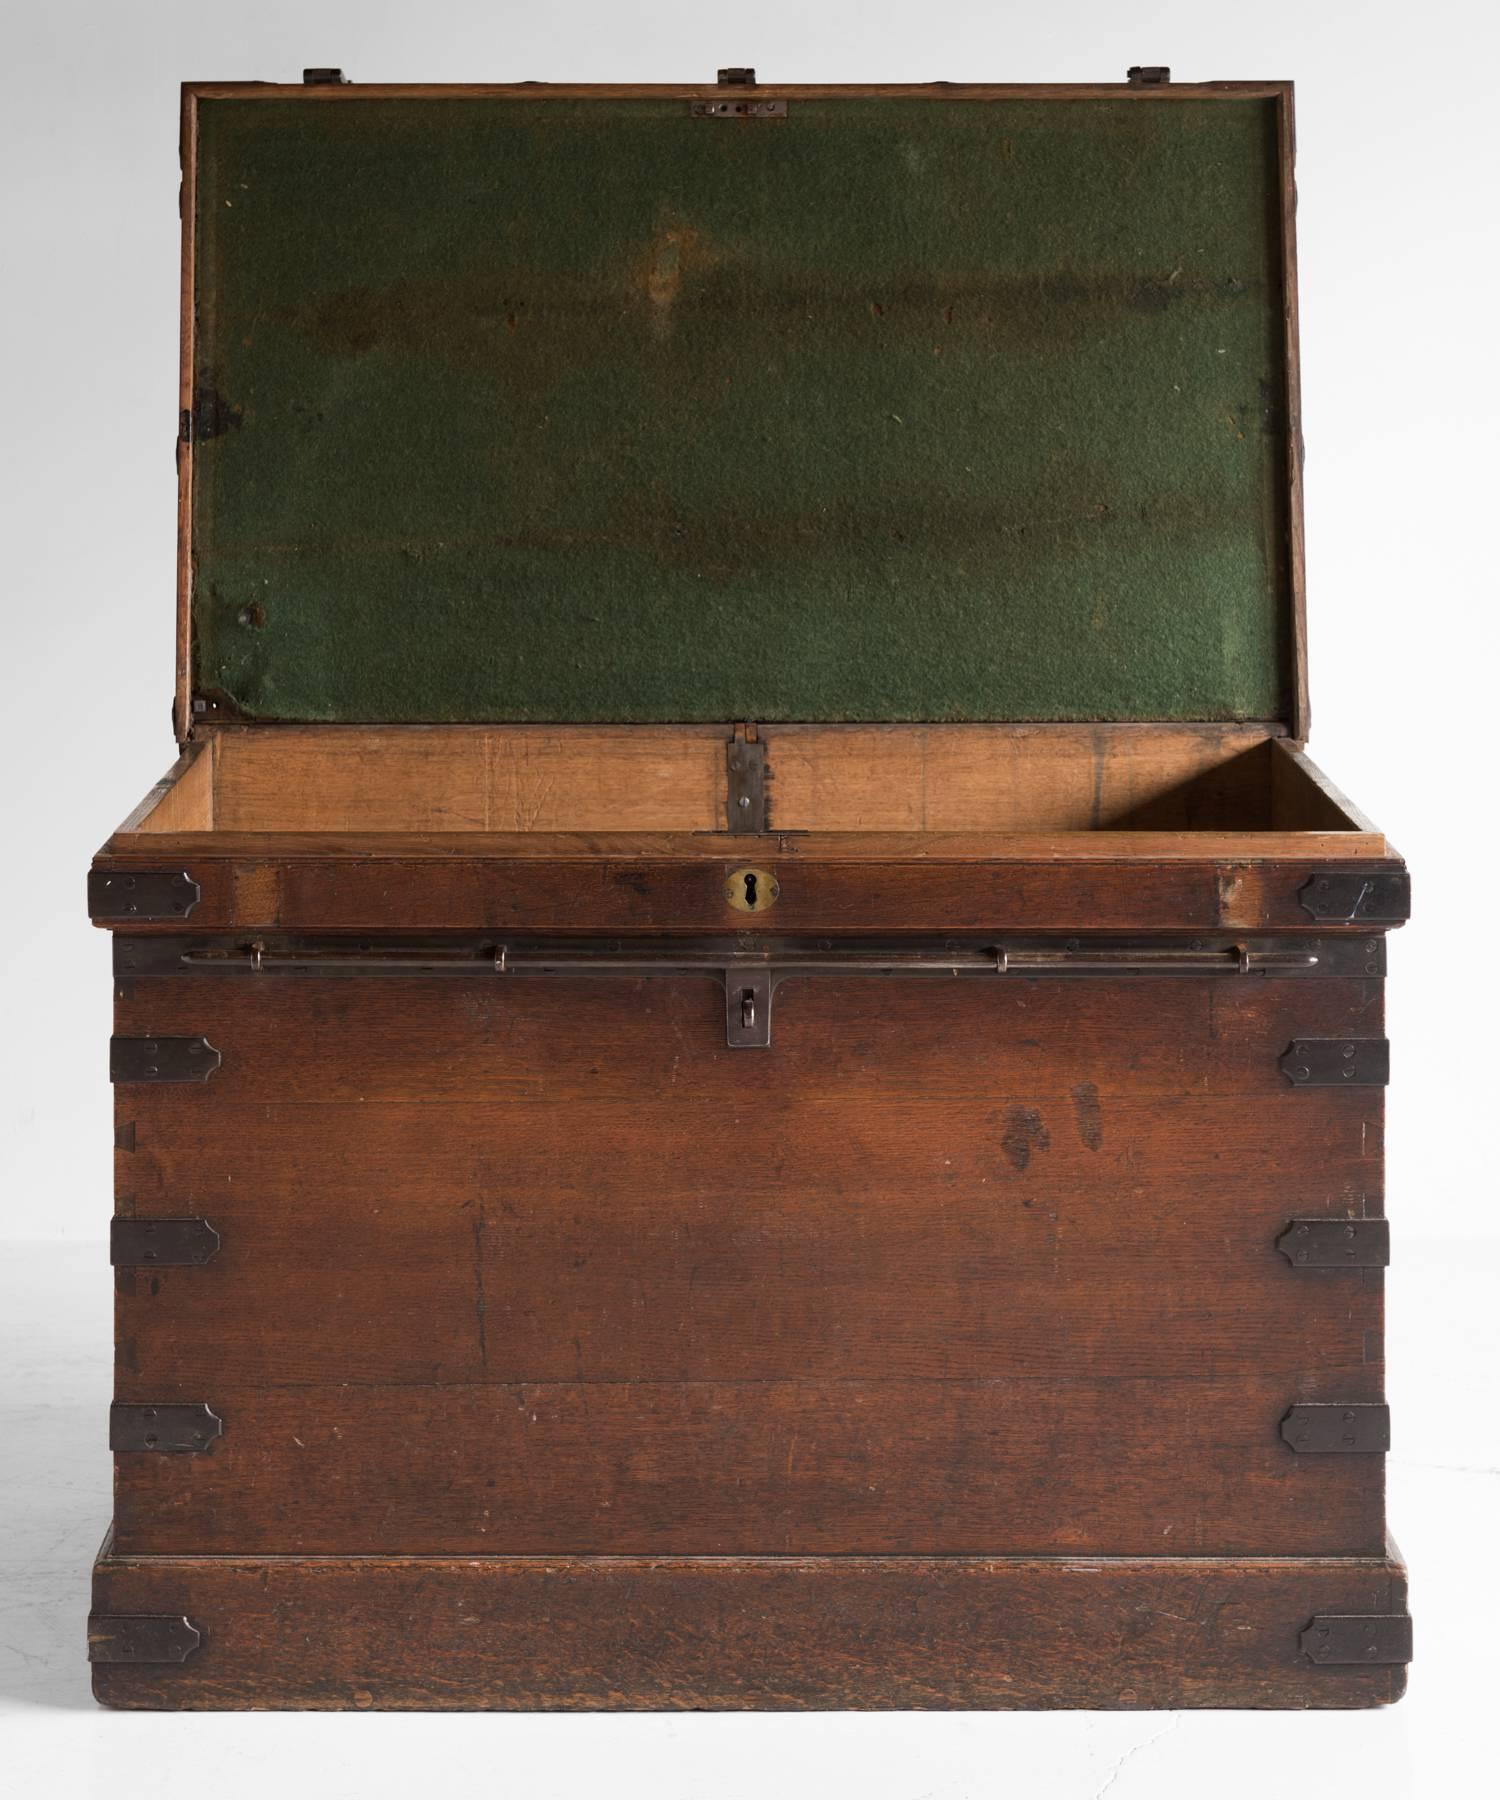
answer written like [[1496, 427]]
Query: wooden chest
[[748, 1060]]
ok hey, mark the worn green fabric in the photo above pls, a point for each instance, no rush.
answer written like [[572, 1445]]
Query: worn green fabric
[[591, 410]]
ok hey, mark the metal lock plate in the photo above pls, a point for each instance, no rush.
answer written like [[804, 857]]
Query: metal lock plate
[[752, 890]]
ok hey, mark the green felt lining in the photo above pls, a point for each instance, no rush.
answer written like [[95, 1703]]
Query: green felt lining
[[588, 410]]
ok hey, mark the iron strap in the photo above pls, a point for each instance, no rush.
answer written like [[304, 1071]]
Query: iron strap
[[1301, 957]]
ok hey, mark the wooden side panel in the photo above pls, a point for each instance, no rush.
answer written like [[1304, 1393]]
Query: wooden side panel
[[781, 1634], [956, 1267]]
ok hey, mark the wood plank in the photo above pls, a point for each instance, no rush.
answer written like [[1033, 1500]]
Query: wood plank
[[771, 1633], [706, 90], [1047, 1467], [1033, 779], [370, 1039], [518, 778], [672, 778], [614, 1241]]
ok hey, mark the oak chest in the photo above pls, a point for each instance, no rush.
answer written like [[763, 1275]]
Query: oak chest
[[748, 1058]]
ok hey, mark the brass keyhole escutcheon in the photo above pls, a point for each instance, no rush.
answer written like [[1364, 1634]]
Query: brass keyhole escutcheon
[[752, 890]]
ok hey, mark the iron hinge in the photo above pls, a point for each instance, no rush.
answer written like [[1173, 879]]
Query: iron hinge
[[162, 1059], [161, 1243], [175, 1430], [141, 894], [1354, 1429], [1148, 75], [324, 78], [736, 78], [1358, 1638], [1354, 898], [1337, 1062], [746, 763], [1336, 1243], [141, 1638], [739, 109], [210, 416]]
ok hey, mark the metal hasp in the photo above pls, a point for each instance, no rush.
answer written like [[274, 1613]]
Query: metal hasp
[[162, 1059], [141, 1638], [1358, 1638], [1337, 1062], [161, 1243], [747, 1007], [170, 1430], [1148, 75], [745, 761], [144, 894], [1337, 1243], [1354, 1430], [1358, 899], [324, 78]]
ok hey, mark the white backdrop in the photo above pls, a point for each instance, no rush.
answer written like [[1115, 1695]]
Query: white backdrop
[[1398, 177]]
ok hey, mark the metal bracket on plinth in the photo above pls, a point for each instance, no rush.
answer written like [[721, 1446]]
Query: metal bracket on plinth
[[141, 1638], [1358, 1638]]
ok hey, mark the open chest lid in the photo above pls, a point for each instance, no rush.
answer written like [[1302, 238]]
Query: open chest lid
[[740, 402]]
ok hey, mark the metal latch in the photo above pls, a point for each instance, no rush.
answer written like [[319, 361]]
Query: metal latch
[[324, 78], [1354, 1429], [1337, 1062], [1337, 1243], [142, 894], [1148, 75], [141, 1638], [136, 1243], [1357, 898], [738, 109], [745, 762], [172, 1430], [1358, 1638], [162, 1059]]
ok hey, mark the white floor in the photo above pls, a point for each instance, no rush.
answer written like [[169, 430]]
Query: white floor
[[54, 1743]]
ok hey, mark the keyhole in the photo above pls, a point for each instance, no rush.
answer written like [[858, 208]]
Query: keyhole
[[750, 889]]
